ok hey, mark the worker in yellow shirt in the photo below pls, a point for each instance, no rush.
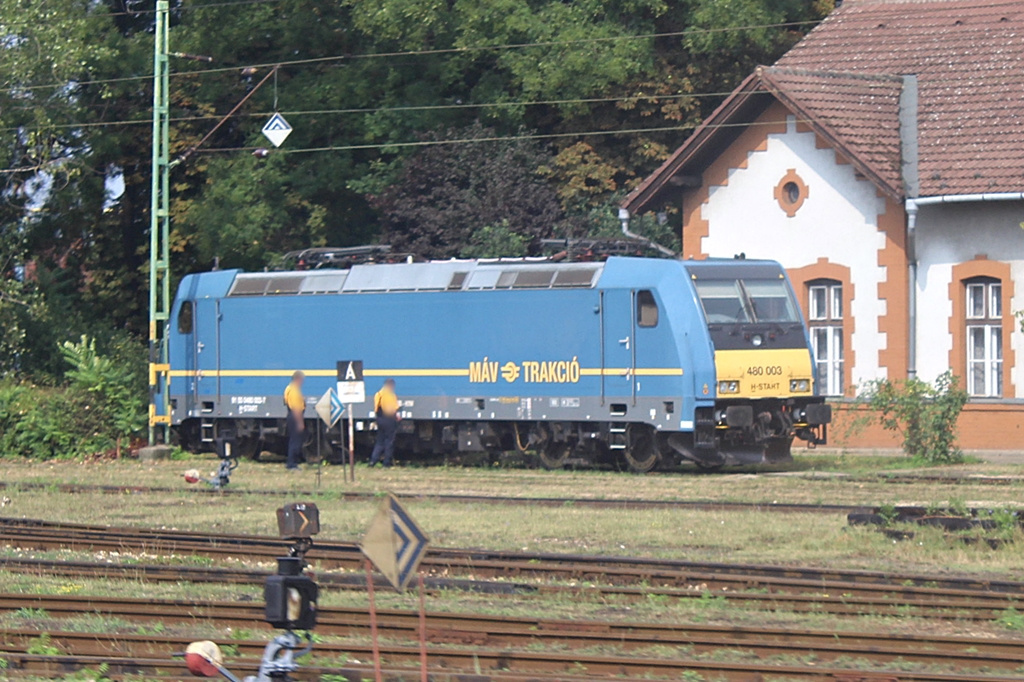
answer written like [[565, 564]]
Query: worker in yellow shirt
[[296, 405], [385, 407]]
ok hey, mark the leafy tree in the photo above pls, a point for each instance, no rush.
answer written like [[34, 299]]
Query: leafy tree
[[496, 241], [75, 97], [447, 192]]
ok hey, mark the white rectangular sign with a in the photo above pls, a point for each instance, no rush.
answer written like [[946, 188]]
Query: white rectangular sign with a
[[351, 388]]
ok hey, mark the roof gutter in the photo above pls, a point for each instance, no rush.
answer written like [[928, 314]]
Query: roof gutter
[[912, 206], [967, 198]]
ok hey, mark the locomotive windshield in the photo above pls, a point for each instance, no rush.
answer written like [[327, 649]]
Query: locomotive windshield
[[740, 301]]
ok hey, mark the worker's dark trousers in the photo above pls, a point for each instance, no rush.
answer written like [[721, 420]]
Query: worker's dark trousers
[[387, 427], [295, 437]]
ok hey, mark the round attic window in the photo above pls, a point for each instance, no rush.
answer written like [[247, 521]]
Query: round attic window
[[791, 192]]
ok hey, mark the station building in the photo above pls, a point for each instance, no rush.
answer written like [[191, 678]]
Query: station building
[[881, 161]]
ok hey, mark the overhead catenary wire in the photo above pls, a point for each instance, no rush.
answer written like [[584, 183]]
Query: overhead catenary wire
[[426, 52], [143, 12], [875, 13], [379, 110], [466, 49], [467, 140], [635, 97], [493, 138]]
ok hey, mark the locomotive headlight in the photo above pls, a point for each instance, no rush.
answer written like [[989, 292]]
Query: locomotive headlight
[[728, 387], [757, 340], [799, 385]]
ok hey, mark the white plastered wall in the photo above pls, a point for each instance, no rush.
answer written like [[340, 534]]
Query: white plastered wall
[[948, 234], [838, 221]]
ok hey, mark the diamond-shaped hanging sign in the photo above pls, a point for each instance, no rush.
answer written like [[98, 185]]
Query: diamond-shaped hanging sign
[[277, 129]]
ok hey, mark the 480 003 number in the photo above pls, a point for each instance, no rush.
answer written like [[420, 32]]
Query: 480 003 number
[[765, 371]]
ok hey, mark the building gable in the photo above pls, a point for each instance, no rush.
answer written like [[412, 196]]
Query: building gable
[[856, 114]]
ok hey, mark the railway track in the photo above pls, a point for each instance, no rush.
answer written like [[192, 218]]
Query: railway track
[[156, 669], [789, 596], [493, 631], [493, 643], [151, 669], [943, 479], [452, 562], [504, 500]]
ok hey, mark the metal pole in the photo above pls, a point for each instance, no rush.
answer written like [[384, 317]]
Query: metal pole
[[373, 622], [159, 231], [423, 630], [351, 444], [341, 435]]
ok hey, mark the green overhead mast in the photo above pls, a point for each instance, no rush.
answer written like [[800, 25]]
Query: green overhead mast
[[159, 250]]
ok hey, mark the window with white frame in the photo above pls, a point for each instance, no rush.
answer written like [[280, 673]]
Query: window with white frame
[[825, 318], [984, 312]]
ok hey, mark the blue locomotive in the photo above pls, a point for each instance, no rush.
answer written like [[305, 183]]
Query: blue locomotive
[[635, 360]]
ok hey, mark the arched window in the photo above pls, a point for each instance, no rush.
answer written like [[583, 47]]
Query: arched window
[[825, 319], [983, 299]]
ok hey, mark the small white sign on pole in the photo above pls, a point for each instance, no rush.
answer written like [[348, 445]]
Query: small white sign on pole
[[351, 388], [277, 129]]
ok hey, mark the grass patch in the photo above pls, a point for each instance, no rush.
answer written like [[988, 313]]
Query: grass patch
[[735, 536]]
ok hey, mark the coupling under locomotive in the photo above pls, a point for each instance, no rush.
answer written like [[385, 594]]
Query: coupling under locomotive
[[634, 360]]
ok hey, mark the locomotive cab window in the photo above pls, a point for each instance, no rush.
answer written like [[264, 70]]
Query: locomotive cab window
[[185, 318], [646, 309], [722, 301], [747, 301], [770, 300]]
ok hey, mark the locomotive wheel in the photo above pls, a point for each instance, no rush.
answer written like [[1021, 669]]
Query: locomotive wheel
[[248, 448], [309, 453], [641, 450], [554, 454]]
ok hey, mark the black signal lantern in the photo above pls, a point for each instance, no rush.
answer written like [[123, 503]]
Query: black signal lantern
[[298, 521], [290, 597]]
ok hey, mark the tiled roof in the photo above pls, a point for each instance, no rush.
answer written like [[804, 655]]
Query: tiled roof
[[857, 113], [969, 59], [844, 79]]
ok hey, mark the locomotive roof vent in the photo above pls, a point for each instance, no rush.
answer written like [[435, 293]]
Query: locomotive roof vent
[[413, 277]]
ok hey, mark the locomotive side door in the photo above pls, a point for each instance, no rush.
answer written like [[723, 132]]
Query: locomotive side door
[[206, 354], [187, 330], [618, 345]]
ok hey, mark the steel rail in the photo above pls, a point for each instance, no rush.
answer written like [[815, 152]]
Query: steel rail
[[616, 570], [831, 599], [20, 665], [504, 500], [448, 657], [490, 631]]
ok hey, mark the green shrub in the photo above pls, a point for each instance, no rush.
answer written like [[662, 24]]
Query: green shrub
[[103, 404], [924, 414], [42, 423], [113, 384]]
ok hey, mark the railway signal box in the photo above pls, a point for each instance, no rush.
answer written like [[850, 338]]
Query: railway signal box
[[298, 520], [290, 597]]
